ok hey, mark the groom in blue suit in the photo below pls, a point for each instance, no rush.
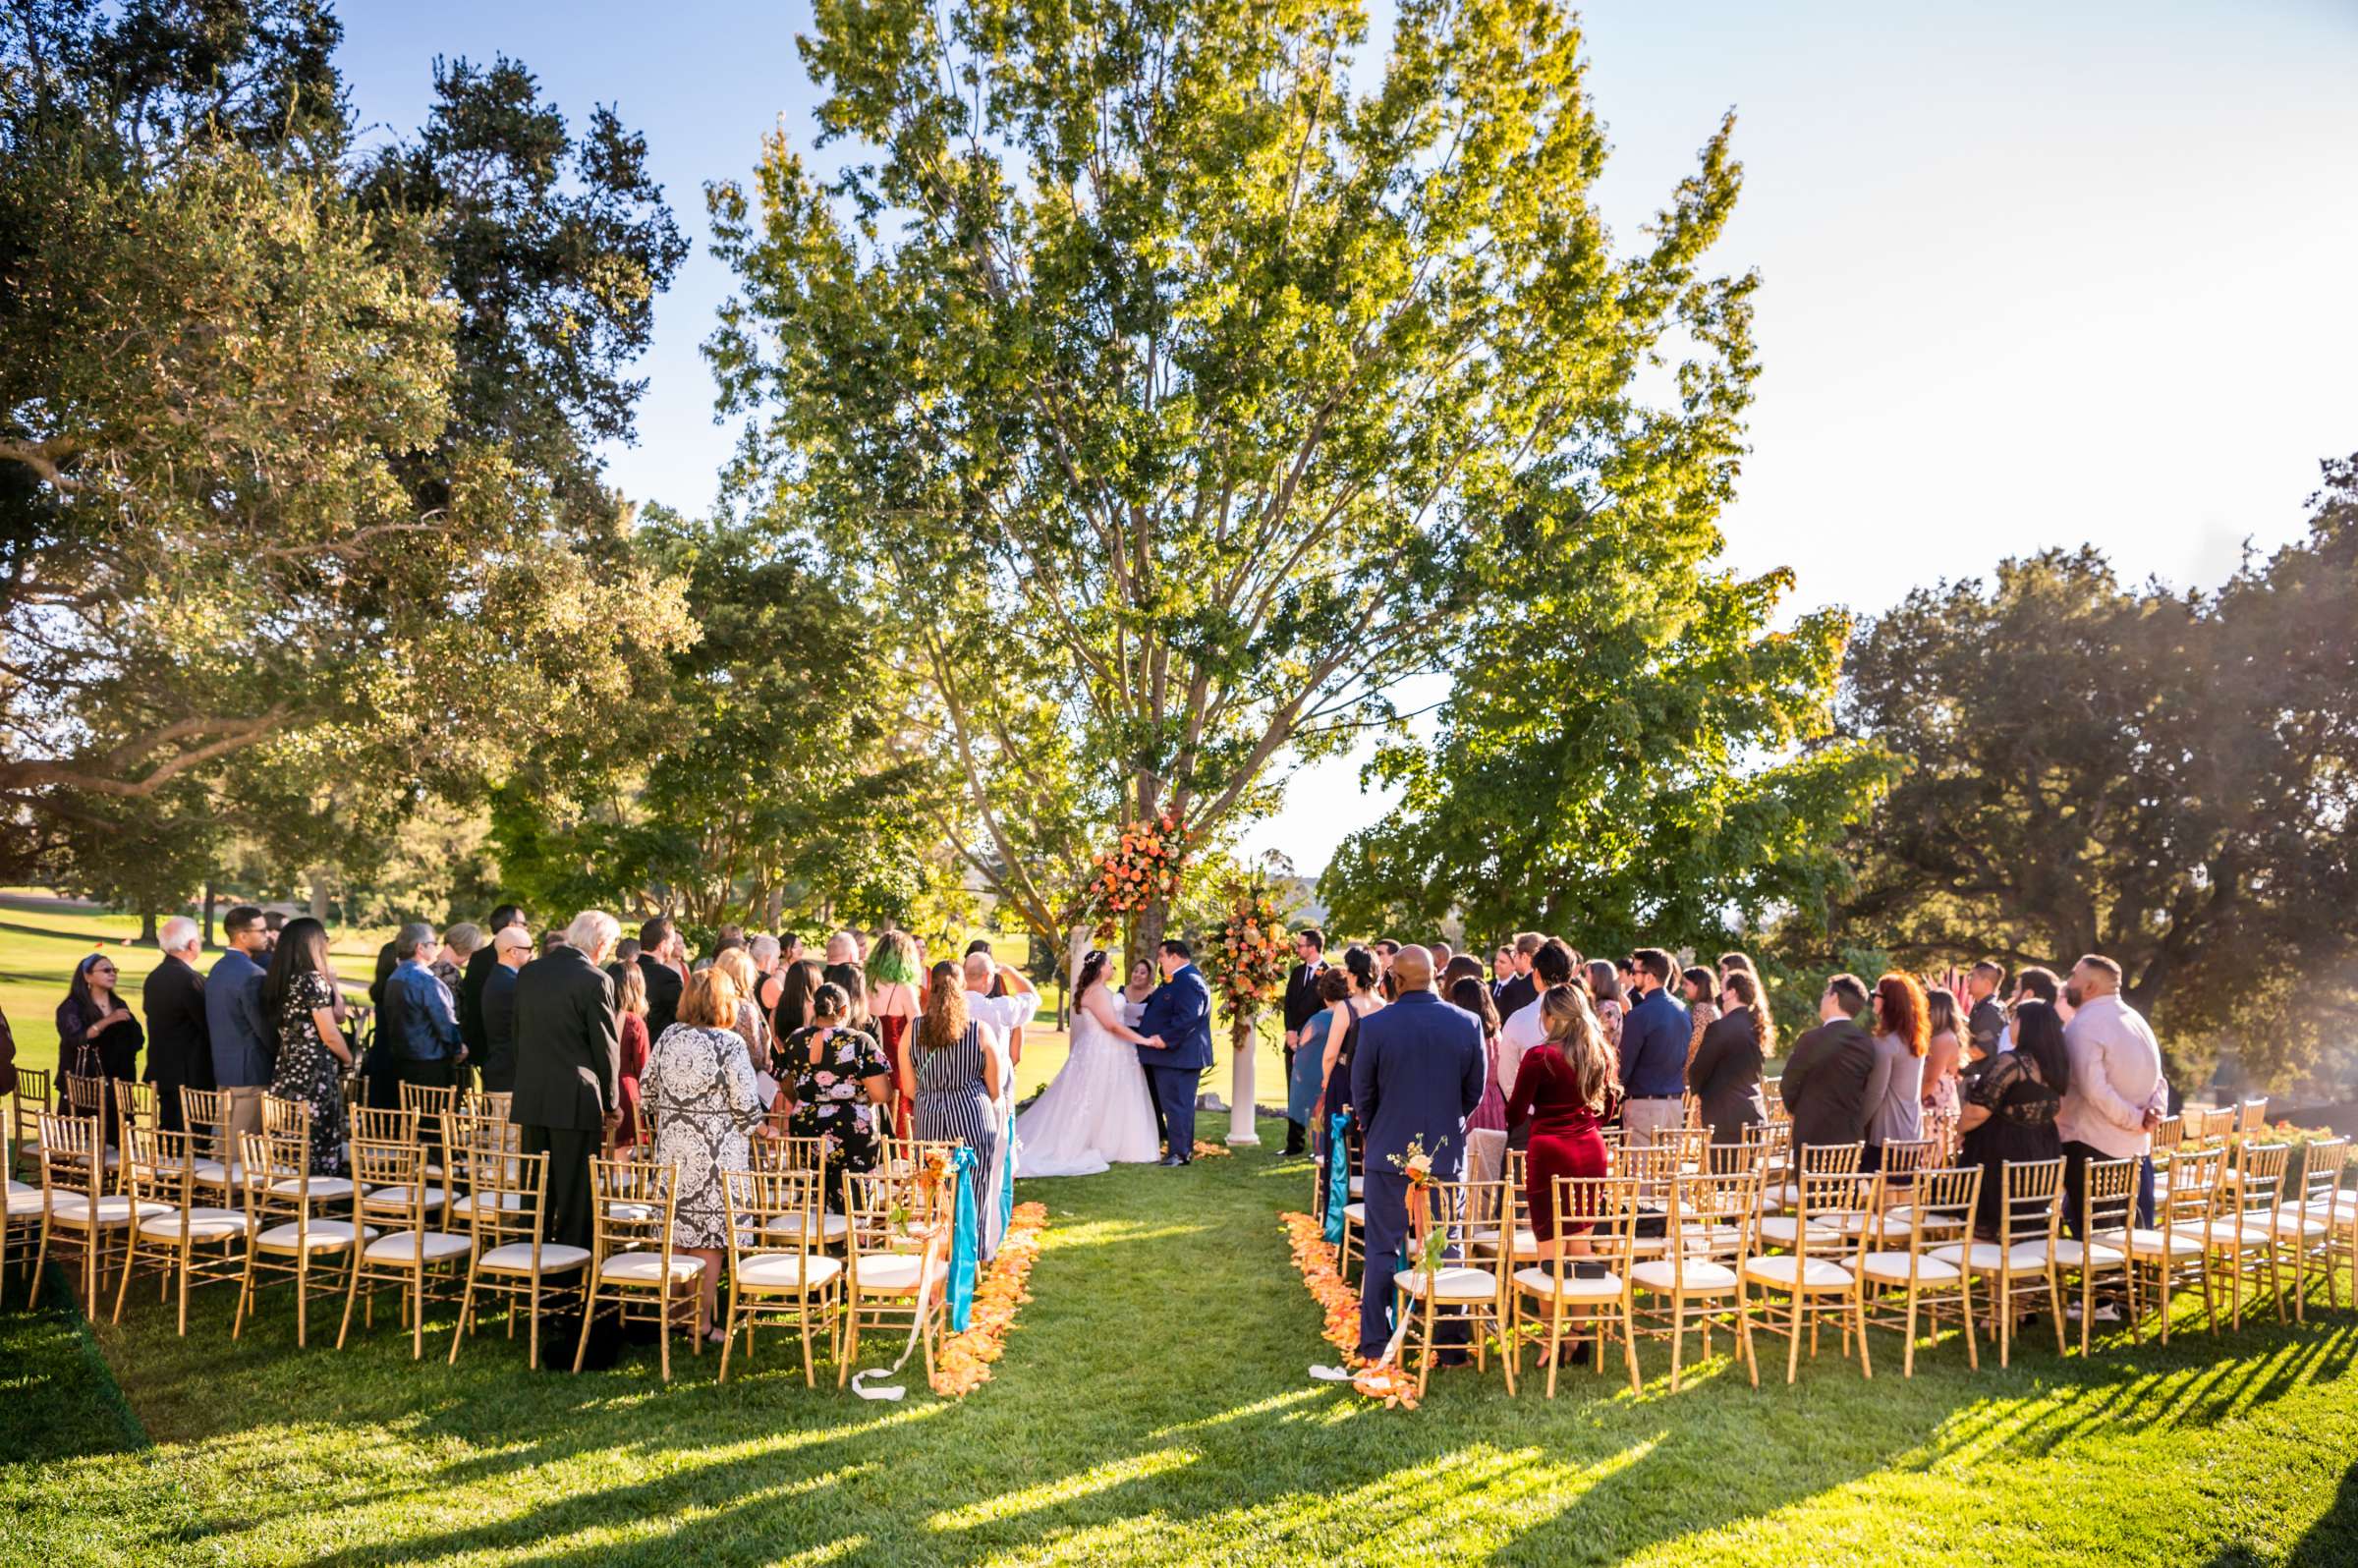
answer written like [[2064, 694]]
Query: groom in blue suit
[[1177, 1026]]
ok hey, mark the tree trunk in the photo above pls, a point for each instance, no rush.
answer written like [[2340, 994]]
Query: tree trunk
[[1146, 931], [319, 896], [208, 912], [146, 928]]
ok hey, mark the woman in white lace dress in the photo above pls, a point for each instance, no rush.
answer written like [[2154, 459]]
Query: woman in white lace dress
[[699, 1086], [1097, 1112]]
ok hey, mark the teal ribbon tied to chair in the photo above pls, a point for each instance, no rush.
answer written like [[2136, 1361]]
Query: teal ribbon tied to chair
[[964, 1243], [1338, 1173]]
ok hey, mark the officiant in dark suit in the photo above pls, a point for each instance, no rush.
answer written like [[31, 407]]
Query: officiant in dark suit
[[1178, 1024], [180, 1052], [1417, 1073], [1302, 1004], [568, 1051]]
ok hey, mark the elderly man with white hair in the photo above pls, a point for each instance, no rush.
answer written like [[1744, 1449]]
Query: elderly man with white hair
[[996, 1018], [180, 1052], [567, 1067]]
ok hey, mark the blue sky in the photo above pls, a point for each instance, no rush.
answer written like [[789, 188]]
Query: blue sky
[[2030, 273]]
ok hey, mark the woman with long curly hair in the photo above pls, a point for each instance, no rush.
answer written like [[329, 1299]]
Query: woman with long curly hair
[[1902, 1032], [1565, 1087], [952, 1082]]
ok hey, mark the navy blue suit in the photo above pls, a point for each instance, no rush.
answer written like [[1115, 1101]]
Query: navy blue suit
[[1416, 1075], [1179, 1012]]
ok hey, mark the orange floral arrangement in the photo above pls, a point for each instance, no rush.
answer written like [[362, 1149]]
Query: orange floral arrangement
[[1314, 1256], [1248, 954], [964, 1363], [1145, 864]]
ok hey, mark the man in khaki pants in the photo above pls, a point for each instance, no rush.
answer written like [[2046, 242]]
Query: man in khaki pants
[[243, 1045]]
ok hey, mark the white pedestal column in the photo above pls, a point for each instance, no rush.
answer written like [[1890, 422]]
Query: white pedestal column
[[1245, 1040]]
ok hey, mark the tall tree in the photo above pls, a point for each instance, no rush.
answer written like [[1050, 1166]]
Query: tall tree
[[1630, 754], [1171, 391]]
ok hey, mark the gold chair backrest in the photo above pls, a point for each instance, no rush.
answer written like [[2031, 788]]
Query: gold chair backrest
[[2031, 1200], [1832, 1159], [2109, 1197], [1837, 1203], [2257, 1177], [2168, 1133], [2322, 1162], [510, 1193], [1608, 1207], [376, 1124], [160, 1167], [633, 1203], [428, 1100], [1713, 1216], [71, 1156], [286, 1118], [771, 1211], [83, 1095]]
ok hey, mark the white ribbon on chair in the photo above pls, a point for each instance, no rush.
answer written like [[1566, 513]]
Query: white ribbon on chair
[[916, 1325]]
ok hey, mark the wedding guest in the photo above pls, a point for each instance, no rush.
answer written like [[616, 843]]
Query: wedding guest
[[1730, 962], [952, 1080], [1462, 965], [1725, 1075], [552, 940], [1551, 965], [1001, 1001], [1942, 1060], [833, 1077], [1140, 986], [632, 1049], [2117, 1094], [751, 1027], [299, 994], [419, 1024], [1301, 1006], [484, 963], [2038, 983], [1502, 970], [1440, 957], [1486, 1124], [460, 944], [8, 1057], [1386, 951], [274, 925], [1986, 1020], [892, 975], [1652, 1053], [1830, 1084], [244, 1041], [1699, 989], [763, 950], [1521, 991], [790, 947], [2010, 1110], [1566, 1088], [1360, 976], [511, 949], [98, 1036], [568, 1051], [1307, 1083], [1415, 1074], [1902, 1033], [843, 957], [700, 1087], [1606, 1000], [664, 981], [180, 1054], [798, 983]]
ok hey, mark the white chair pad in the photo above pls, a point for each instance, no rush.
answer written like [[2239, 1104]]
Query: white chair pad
[[113, 1210], [2150, 1244], [786, 1272], [464, 1208], [2308, 1228], [1778, 1230], [2228, 1235], [1542, 1282], [2070, 1253], [1355, 1213], [831, 1227], [320, 1236], [1359, 1186], [516, 1257], [1988, 1257], [1891, 1268], [23, 1202], [1525, 1243], [1448, 1283], [397, 1198], [631, 1212], [205, 1225], [1821, 1274], [213, 1173], [647, 1268], [893, 1273], [402, 1247], [1701, 1277], [322, 1186]]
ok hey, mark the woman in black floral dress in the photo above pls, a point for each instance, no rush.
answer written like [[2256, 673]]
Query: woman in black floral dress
[[836, 1076], [298, 996]]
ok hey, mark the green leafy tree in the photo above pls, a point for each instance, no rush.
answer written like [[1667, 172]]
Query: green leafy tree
[[1632, 753], [1169, 392]]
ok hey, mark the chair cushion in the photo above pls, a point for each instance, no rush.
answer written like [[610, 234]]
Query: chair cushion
[[516, 1257], [1525, 1243], [2070, 1253], [1355, 1213], [893, 1273], [1702, 1275], [2293, 1222], [647, 1268], [322, 1186], [2150, 1244], [113, 1210], [402, 1247], [320, 1236], [785, 1272], [2227, 1234], [1778, 1230], [1542, 1282], [397, 1198], [1891, 1268], [23, 1202], [215, 1173], [1821, 1274], [1986, 1258], [1359, 1186], [831, 1227], [205, 1225], [1450, 1283], [464, 1208]]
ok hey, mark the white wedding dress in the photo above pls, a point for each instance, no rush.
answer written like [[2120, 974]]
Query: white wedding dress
[[1097, 1112]]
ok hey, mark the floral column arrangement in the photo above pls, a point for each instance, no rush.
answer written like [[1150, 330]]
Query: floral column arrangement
[[1246, 957], [1145, 863]]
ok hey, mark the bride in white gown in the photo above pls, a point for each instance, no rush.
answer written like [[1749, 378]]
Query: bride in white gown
[[1097, 1112]]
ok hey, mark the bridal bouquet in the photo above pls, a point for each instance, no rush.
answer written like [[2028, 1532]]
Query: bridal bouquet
[[1248, 953], [1143, 865]]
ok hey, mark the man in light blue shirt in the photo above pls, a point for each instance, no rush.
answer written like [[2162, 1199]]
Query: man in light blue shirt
[[420, 1020], [1653, 1052]]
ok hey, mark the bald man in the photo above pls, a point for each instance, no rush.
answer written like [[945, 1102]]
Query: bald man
[[1416, 1075]]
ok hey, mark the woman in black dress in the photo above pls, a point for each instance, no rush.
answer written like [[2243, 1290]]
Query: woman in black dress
[[835, 1077], [299, 998], [2010, 1111], [96, 1035], [1359, 965]]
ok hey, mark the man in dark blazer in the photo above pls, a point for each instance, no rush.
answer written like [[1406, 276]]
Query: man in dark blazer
[[1521, 991], [663, 983], [479, 964], [1178, 1024], [180, 1052], [567, 1055], [1302, 1004], [1416, 1075], [1827, 1080], [514, 948]]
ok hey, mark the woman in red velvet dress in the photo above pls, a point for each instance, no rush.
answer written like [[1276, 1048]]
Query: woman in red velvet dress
[[895, 1003], [1564, 1087], [630, 1017]]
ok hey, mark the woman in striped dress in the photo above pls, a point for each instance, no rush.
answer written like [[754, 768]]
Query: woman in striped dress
[[952, 1081]]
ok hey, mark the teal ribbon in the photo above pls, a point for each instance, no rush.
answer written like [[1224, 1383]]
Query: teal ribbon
[[964, 1243], [1007, 1176], [1338, 1173]]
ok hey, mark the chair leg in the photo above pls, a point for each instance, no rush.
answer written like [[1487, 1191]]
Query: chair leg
[[352, 1293], [1907, 1355], [1556, 1339], [1678, 1335], [803, 1316], [580, 1348], [1793, 1350], [1744, 1345], [124, 1289], [1858, 1318]]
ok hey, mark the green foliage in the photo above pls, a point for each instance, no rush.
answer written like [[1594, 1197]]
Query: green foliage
[[1173, 392]]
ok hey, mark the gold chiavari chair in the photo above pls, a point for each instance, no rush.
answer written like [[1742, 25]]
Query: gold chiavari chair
[[1928, 1289], [431, 1103], [1747, 1158], [2240, 1233], [2108, 1215], [1582, 1295], [1710, 1226], [292, 1119], [2338, 1209], [897, 1256], [505, 1208], [2020, 1264], [776, 1275], [212, 1147], [2250, 1115], [1814, 1160], [385, 1124], [288, 1239], [92, 1099], [187, 1243], [80, 1217], [2174, 1249], [1819, 1275], [1511, 1228], [27, 1104], [135, 1105], [472, 1139], [634, 1270], [2304, 1218], [407, 1253], [1447, 1287]]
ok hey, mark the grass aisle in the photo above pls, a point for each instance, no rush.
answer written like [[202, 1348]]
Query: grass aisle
[[1151, 1407]]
